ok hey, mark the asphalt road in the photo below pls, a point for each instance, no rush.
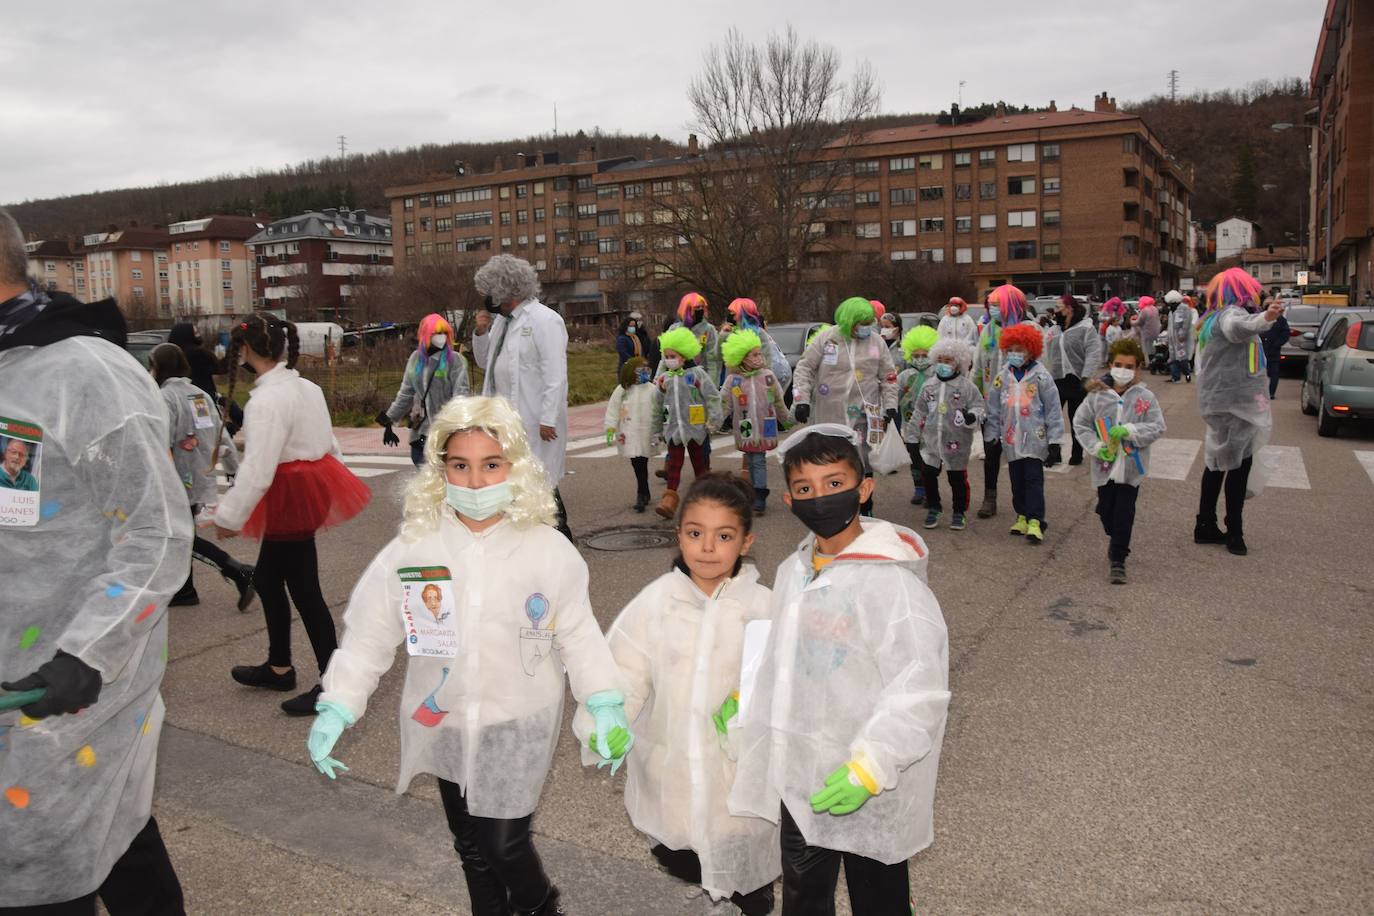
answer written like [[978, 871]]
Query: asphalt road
[[1198, 741]]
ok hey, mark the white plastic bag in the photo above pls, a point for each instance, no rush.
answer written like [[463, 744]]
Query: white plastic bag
[[891, 455]]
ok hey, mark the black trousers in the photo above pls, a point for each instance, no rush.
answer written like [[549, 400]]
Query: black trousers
[[1116, 508], [502, 869], [641, 466], [293, 566], [206, 552], [1071, 395], [810, 875], [918, 466], [958, 485], [142, 883], [1028, 487], [561, 515], [1234, 483], [685, 865], [992, 464]]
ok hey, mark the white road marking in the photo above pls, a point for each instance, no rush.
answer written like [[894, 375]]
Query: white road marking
[[397, 460], [1366, 460], [1289, 470], [1172, 459], [579, 444]]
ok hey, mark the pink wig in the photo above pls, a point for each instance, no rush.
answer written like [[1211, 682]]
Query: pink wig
[[1146, 302], [746, 306], [430, 325], [879, 310], [689, 304], [960, 304], [1010, 303], [1233, 286]]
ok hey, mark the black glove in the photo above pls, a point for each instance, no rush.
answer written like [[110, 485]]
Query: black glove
[[969, 416], [383, 419], [802, 412], [390, 438], [1056, 455], [890, 415], [71, 686]]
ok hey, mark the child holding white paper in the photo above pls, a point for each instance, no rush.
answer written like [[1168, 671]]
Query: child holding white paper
[[679, 645]]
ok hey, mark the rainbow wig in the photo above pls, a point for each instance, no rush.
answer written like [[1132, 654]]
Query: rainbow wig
[[853, 311], [738, 345], [961, 350], [1010, 302], [681, 341], [745, 313], [921, 337], [1026, 336], [1232, 286], [429, 326], [688, 304], [879, 310]]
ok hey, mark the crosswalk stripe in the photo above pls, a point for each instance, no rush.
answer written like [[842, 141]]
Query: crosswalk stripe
[[397, 460], [1366, 460], [579, 444], [1172, 459], [1289, 470]]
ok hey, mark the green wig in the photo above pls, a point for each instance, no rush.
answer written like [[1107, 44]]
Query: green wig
[[817, 331], [852, 311], [921, 337], [681, 341], [738, 345]]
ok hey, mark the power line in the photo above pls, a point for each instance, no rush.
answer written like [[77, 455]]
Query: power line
[[1173, 85], [343, 146]]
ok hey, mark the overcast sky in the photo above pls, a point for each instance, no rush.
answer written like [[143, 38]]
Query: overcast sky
[[101, 95]]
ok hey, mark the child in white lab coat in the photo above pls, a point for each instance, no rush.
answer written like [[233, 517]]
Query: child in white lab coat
[[631, 421]]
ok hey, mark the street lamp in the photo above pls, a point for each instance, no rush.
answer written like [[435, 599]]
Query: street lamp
[[1326, 139]]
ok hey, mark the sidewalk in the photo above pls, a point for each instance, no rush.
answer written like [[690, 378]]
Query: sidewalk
[[583, 421]]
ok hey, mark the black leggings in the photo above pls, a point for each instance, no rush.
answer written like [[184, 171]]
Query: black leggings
[[1116, 508], [1234, 483], [810, 875], [142, 883], [499, 862], [685, 865], [992, 464], [1071, 395], [293, 566], [641, 466]]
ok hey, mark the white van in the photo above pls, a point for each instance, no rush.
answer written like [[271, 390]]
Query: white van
[[313, 335]]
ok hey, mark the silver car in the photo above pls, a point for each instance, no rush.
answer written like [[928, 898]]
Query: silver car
[[1339, 384]]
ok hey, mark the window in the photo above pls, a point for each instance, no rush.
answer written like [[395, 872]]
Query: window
[[1020, 185], [633, 190], [538, 214], [469, 220], [226, 265], [1050, 218], [987, 190], [963, 192], [562, 211], [608, 246], [136, 274], [521, 191], [933, 255], [540, 240], [505, 219], [662, 216], [867, 198], [472, 195], [608, 192], [987, 221], [963, 256], [1130, 145], [608, 218], [587, 263], [936, 224], [899, 228], [425, 223], [227, 284], [898, 196], [901, 164], [424, 202], [932, 161], [443, 224], [224, 246], [586, 211], [1020, 251], [634, 218], [410, 251], [963, 160], [440, 247], [661, 188], [408, 204], [1021, 152], [634, 246], [443, 200], [523, 241], [987, 157], [1131, 213], [505, 192], [539, 192], [586, 183], [866, 167], [1050, 252], [868, 230], [1130, 178], [563, 262], [963, 224], [522, 216], [586, 237], [1023, 219], [562, 183], [1050, 185], [1130, 244], [138, 255], [562, 236], [934, 192], [1049, 152], [1275, 272], [480, 243], [903, 255]]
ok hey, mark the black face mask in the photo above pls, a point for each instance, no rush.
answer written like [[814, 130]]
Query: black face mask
[[247, 368], [827, 516], [491, 306]]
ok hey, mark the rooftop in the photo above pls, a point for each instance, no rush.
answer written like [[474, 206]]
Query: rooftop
[[131, 238], [216, 227], [1028, 121], [329, 223], [50, 248], [1271, 253]]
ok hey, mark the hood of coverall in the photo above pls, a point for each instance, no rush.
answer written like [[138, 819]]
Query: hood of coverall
[[879, 542], [66, 316]]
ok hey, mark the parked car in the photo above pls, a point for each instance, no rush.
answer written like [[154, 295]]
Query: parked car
[[142, 343], [914, 319], [1301, 320], [1339, 384], [790, 336]]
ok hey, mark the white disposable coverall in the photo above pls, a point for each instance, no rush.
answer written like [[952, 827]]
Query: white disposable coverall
[[1138, 410], [857, 662], [635, 419], [960, 327], [1233, 400]]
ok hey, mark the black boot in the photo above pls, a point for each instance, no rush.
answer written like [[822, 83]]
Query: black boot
[[641, 500], [241, 576], [1056, 455], [989, 507], [186, 595], [550, 906], [1235, 538], [1118, 572], [760, 500], [1205, 531]]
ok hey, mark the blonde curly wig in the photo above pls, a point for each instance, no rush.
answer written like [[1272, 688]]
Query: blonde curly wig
[[424, 501]]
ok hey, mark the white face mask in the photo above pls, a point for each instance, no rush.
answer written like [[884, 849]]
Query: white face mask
[[439, 341], [479, 504], [673, 362], [1122, 377]]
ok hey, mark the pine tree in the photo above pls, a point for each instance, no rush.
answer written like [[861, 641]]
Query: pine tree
[[1244, 187]]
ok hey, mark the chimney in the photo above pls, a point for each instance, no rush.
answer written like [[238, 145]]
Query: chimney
[[496, 164], [693, 149], [519, 160], [1104, 103], [1053, 107], [648, 154], [330, 211], [1001, 110], [953, 113], [539, 158], [360, 216], [587, 154]]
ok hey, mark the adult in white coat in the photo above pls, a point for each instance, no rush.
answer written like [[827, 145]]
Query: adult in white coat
[[89, 558], [1182, 337], [525, 353], [957, 323]]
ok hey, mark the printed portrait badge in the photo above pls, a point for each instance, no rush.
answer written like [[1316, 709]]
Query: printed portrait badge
[[428, 611], [200, 407], [21, 447], [536, 640]]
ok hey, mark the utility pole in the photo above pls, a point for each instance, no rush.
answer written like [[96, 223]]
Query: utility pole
[[343, 146], [1173, 85]]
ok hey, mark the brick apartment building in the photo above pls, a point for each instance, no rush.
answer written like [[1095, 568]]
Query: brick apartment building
[[1276, 266], [1342, 84], [313, 264], [56, 267], [1049, 200], [211, 270], [130, 266]]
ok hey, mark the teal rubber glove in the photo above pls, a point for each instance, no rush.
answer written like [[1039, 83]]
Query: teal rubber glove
[[728, 710], [330, 721], [607, 708], [1118, 433], [843, 793]]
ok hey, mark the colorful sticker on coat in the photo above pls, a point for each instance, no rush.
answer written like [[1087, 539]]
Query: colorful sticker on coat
[[21, 447], [536, 640], [428, 611], [428, 712]]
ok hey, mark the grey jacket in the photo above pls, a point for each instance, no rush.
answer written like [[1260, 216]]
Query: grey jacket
[[423, 394]]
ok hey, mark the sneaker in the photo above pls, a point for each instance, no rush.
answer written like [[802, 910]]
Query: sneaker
[[1021, 525], [918, 496], [989, 507], [263, 676], [1033, 533], [959, 522], [303, 704], [933, 518], [1118, 573]]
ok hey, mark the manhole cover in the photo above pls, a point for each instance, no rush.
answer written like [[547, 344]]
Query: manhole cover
[[631, 539]]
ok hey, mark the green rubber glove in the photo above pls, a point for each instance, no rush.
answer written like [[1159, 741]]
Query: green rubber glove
[[1118, 433], [607, 708], [728, 710], [843, 793], [1105, 453], [330, 721], [610, 437], [617, 742]]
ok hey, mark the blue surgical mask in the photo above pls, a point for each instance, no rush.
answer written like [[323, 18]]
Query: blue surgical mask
[[642, 376], [1016, 359], [479, 504], [945, 370], [863, 330]]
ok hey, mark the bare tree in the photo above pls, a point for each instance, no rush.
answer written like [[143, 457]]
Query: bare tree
[[902, 286], [423, 285], [779, 121]]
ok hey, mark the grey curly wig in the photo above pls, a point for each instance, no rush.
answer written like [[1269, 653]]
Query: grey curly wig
[[505, 278]]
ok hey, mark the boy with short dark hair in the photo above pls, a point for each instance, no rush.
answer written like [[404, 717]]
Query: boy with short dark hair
[[842, 727]]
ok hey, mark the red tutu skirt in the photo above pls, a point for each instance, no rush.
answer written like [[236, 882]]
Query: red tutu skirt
[[306, 496]]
